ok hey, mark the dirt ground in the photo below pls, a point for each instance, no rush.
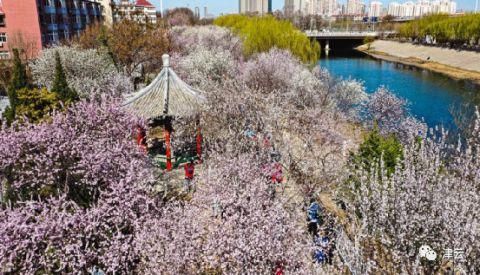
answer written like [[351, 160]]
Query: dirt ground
[[459, 65]]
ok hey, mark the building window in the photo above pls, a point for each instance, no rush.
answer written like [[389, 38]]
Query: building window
[[53, 37], [3, 37], [4, 55], [53, 19], [2, 20]]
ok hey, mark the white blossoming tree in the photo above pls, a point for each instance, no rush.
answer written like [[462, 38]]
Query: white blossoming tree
[[87, 71]]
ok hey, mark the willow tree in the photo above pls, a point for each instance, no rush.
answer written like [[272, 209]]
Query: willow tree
[[457, 30], [260, 34]]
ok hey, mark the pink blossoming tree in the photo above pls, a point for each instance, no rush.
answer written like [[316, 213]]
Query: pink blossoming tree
[[75, 192]]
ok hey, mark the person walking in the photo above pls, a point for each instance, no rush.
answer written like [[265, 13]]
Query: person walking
[[277, 176], [189, 174], [313, 217], [279, 268]]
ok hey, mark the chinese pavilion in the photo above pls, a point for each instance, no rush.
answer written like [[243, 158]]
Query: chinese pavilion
[[165, 99]]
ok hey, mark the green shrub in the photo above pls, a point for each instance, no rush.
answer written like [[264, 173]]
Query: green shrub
[[260, 34], [36, 104], [375, 147]]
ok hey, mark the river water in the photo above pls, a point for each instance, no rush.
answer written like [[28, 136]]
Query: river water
[[431, 96]]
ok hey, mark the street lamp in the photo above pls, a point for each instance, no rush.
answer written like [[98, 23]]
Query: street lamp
[[161, 7]]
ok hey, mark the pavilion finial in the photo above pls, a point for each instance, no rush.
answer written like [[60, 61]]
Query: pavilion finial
[[166, 60]]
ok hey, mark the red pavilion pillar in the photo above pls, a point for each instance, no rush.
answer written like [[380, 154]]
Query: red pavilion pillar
[[169, 148], [199, 144]]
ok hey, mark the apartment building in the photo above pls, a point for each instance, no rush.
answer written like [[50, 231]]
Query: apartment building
[[31, 25], [255, 6]]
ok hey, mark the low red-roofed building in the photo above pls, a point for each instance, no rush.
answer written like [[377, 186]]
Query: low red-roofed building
[[141, 11], [144, 3]]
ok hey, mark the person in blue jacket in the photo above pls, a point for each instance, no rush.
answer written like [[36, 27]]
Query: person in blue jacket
[[313, 217]]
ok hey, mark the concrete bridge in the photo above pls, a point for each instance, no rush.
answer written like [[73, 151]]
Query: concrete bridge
[[343, 40]]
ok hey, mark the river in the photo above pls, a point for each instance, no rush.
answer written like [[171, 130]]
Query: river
[[431, 96]]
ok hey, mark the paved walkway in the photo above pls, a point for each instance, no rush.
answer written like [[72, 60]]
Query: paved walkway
[[460, 59]]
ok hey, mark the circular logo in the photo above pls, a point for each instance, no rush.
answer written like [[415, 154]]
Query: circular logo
[[427, 252]]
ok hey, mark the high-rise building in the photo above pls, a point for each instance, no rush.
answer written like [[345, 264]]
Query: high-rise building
[[422, 8], [407, 9], [394, 9], [294, 6], [330, 7], [141, 11], [197, 12], [34, 24], [375, 9], [355, 7], [255, 6], [312, 7]]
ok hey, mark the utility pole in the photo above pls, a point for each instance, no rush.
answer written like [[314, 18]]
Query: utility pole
[[476, 6]]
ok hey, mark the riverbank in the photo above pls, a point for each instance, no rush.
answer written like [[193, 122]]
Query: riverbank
[[459, 65]]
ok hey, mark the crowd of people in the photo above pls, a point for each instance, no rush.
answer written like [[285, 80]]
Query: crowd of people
[[321, 232], [318, 228]]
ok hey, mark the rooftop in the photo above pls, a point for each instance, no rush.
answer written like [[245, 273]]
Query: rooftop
[[144, 3], [167, 95]]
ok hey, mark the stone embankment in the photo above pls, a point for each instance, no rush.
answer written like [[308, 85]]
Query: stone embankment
[[464, 65]]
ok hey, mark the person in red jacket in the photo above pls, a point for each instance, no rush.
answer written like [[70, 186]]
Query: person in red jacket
[[277, 173], [142, 138], [189, 174], [277, 176], [279, 268]]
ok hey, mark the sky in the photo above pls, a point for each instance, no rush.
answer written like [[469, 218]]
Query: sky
[[217, 7]]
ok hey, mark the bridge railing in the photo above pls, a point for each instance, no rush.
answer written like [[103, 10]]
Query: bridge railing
[[316, 33], [342, 33]]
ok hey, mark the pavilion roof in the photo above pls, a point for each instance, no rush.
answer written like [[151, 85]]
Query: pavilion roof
[[143, 3], [167, 95]]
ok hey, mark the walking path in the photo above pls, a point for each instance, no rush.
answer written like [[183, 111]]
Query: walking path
[[454, 63]]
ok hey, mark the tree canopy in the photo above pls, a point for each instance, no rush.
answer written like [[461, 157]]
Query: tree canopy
[[457, 30], [260, 34], [134, 45]]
